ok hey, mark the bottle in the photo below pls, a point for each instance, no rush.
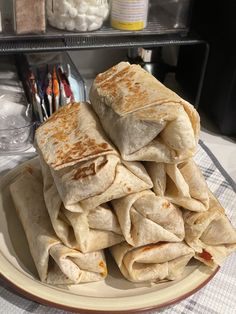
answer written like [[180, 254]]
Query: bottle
[[130, 15]]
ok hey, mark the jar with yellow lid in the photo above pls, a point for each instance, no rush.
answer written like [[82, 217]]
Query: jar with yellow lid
[[130, 15]]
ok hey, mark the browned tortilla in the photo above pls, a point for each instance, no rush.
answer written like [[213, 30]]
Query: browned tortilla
[[86, 169], [144, 119], [71, 135]]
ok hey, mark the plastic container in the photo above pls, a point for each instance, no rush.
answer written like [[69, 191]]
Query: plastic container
[[171, 14], [16, 124], [16, 128], [79, 16], [15, 140], [58, 82], [130, 15], [50, 59], [29, 16]]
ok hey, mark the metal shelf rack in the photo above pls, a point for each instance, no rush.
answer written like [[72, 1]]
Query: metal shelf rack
[[155, 34]]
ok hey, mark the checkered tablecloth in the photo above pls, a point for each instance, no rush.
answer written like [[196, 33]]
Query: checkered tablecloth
[[219, 296]]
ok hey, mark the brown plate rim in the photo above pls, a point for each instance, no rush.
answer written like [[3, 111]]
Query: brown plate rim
[[49, 303]]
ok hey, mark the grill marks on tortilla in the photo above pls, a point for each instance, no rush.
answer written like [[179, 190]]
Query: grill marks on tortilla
[[85, 147], [59, 125], [110, 84], [103, 267], [166, 204], [28, 169], [60, 136], [84, 172], [106, 75], [153, 246], [130, 88], [100, 78], [64, 141], [135, 93], [90, 170], [123, 88]]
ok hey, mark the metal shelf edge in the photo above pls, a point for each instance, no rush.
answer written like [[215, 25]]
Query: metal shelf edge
[[93, 42]]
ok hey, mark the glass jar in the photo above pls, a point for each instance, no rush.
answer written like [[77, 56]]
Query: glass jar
[[77, 15]]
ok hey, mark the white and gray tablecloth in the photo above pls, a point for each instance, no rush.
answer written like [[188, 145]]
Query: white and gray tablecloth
[[217, 297]]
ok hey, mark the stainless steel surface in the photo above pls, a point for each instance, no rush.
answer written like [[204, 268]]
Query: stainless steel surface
[[153, 27], [77, 42]]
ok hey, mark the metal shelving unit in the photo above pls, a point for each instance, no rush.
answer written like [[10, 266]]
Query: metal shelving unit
[[155, 34], [76, 42], [153, 28]]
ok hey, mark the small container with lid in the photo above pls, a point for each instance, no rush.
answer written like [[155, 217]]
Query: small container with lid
[[77, 15], [29, 16], [130, 15]]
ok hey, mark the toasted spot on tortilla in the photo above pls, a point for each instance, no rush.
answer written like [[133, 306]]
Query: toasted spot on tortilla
[[84, 172], [153, 246]]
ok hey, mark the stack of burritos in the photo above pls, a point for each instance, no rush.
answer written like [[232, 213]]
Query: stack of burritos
[[179, 218], [118, 173]]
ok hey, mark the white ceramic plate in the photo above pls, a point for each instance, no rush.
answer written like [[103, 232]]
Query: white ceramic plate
[[114, 294]]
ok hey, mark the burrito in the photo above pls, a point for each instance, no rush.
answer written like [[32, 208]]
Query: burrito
[[182, 184], [146, 218], [152, 263], [87, 231], [143, 118], [56, 264], [86, 168], [210, 234]]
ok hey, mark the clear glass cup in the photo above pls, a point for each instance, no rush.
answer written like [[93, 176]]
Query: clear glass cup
[[16, 139], [16, 128]]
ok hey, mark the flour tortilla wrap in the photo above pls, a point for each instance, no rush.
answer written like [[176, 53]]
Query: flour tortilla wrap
[[143, 118], [152, 263], [146, 218], [210, 233], [87, 231], [56, 263], [182, 184], [86, 168]]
